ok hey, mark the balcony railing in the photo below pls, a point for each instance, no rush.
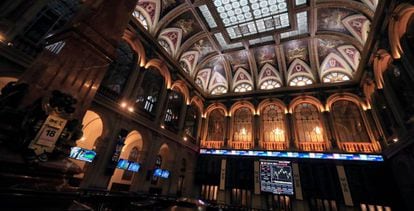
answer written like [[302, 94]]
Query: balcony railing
[[212, 144], [273, 145], [359, 147], [312, 146], [241, 145]]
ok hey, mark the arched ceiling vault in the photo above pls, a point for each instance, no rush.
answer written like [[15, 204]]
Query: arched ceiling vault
[[261, 45]]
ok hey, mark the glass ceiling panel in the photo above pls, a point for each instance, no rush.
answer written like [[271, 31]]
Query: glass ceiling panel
[[247, 17], [207, 15], [301, 2]]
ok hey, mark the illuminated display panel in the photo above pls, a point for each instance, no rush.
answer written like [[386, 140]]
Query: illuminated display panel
[[301, 155], [82, 154], [248, 17], [128, 165], [276, 177]]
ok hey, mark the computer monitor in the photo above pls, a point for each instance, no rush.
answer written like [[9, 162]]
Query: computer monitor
[[276, 177]]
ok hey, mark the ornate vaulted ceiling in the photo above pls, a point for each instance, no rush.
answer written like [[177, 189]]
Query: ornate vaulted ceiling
[[229, 46]]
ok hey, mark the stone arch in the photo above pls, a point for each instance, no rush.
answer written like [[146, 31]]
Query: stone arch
[[182, 87], [382, 61], [160, 66], [398, 27], [136, 45], [133, 141], [93, 128], [305, 99], [344, 96], [5, 80]]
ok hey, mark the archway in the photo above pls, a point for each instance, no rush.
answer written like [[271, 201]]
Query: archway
[[5, 80], [122, 179], [92, 129]]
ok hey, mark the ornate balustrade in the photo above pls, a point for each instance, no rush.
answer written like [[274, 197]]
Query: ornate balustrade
[[360, 147], [273, 145], [212, 144], [241, 145], [312, 146]]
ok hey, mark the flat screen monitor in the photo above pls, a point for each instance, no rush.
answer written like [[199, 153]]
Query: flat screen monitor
[[276, 177], [82, 154], [134, 166], [128, 165], [157, 172], [165, 174], [122, 164]]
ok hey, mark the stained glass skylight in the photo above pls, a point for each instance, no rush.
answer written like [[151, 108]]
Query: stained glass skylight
[[247, 17], [224, 45], [207, 15], [302, 24]]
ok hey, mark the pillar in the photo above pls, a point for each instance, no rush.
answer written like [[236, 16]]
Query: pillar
[[228, 136], [183, 114], [162, 106], [330, 130], [291, 132], [256, 129], [89, 47]]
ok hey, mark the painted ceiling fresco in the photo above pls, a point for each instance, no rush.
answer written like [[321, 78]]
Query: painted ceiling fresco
[[228, 46]]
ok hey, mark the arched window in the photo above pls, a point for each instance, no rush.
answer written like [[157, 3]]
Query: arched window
[[308, 125], [140, 18], [173, 112], [150, 91], [199, 82], [348, 122], [216, 126], [185, 66], [133, 156], [242, 125], [335, 77], [270, 84], [219, 90], [191, 122], [300, 81], [165, 45], [273, 123], [119, 70], [243, 88]]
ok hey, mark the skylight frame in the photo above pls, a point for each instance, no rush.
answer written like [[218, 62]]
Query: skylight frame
[[291, 17]]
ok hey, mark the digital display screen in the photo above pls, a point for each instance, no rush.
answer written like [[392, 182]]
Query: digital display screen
[[300, 155], [165, 174], [82, 154], [161, 173], [122, 164], [128, 165], [157, 172], [276, 177], [133, 166]]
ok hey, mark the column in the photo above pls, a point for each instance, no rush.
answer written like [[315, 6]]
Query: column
[[203, 130], [162, 107], [138, 82], [79, 67], [291, 132], [330, 130], [256, 129], [228, 136], [130, 84], [183, 114]]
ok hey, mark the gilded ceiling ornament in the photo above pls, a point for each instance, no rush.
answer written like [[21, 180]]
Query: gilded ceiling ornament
[[297, 53]]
